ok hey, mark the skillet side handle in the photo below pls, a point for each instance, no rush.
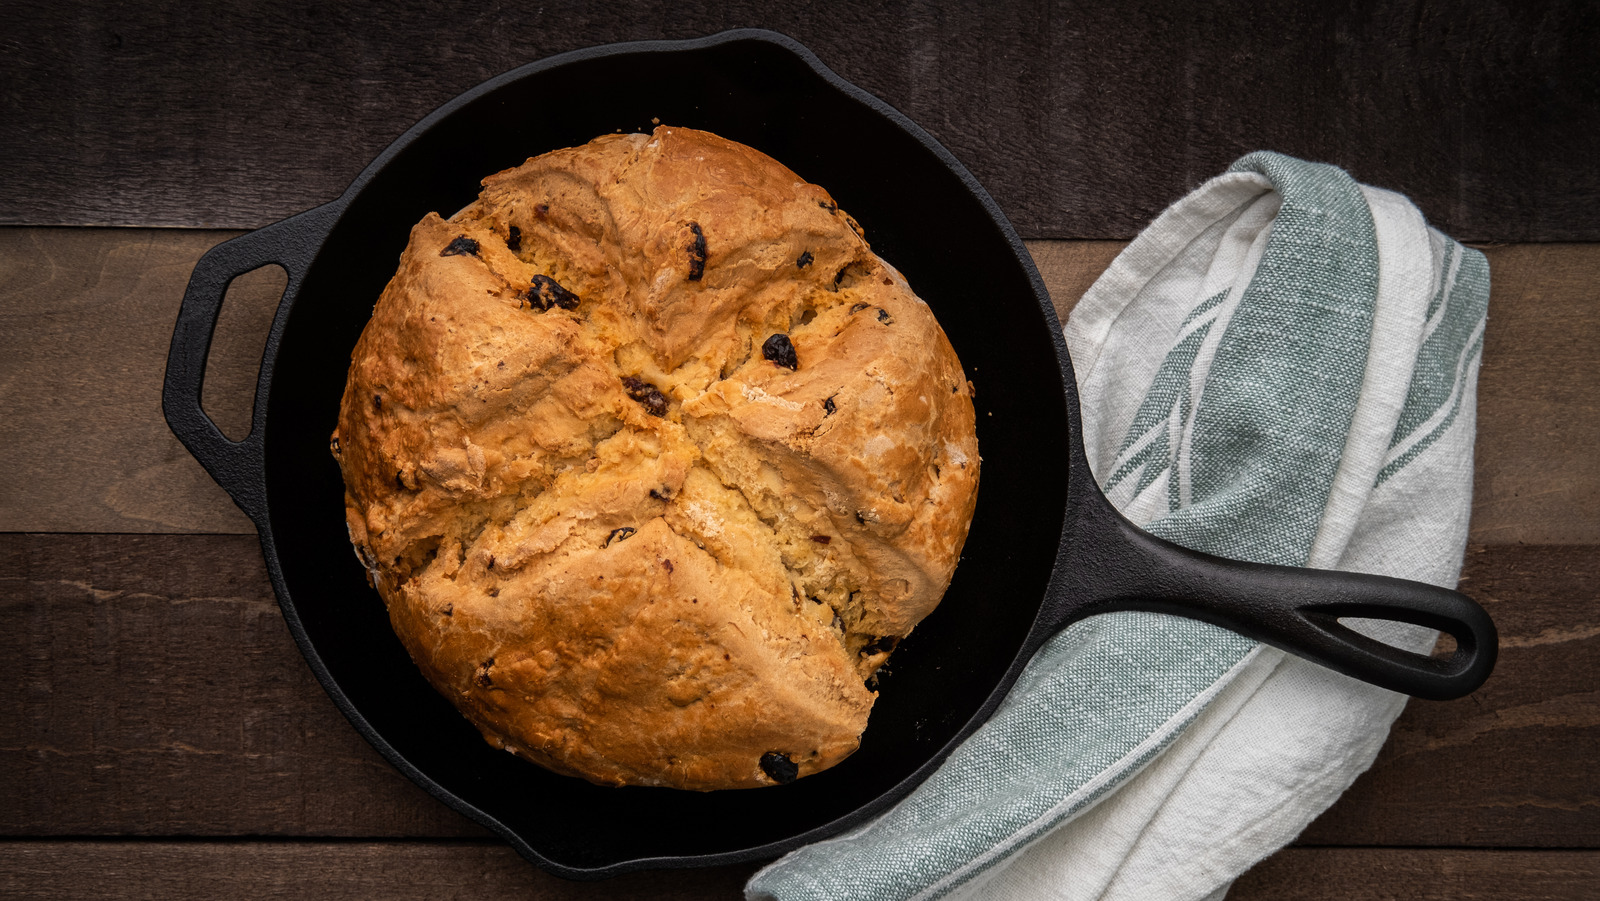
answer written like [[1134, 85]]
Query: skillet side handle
[[1291, 608], [238, 466]]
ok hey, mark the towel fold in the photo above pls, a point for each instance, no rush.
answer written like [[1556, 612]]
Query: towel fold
[[1281, 368]]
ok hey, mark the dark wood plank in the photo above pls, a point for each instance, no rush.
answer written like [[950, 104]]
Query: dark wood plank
[[86, 315], [1083, 119], [1070, 268], [151, 688], [398, 871], [1405, 874], [1537, 472], [85, 319], [403, 870], [1511, 765]]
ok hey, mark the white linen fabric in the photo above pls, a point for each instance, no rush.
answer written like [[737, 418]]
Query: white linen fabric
[[1281, 368]]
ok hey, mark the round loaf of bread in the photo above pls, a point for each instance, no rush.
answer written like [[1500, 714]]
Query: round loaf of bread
[[653, 461]]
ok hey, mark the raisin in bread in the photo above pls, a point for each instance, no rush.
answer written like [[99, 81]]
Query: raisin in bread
[[653, 461]]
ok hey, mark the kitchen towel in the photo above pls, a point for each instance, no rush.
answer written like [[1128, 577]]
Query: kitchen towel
[[1281, 368]]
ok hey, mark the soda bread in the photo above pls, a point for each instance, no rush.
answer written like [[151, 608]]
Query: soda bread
[[653, 462]]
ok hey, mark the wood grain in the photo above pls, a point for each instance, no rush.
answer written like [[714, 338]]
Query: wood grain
[[1083, 119], [397, 871], [85, 319], [86, 316], [1406, 874], [151, 688], [1070, 268], [1538, 455]]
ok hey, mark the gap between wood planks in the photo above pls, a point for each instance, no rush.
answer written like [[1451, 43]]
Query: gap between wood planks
[[86, 316]]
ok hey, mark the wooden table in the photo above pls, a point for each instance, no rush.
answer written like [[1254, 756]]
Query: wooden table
[[160, 735]]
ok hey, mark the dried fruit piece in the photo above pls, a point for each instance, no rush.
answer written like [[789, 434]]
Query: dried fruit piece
[[545, 293], [780, 350], [648, 395], [697, 253], [622, 534], [514, 239], [460, 246], [779, 768], [805, 259]]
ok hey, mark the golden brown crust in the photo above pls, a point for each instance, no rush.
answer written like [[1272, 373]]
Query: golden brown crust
[[628, 545]]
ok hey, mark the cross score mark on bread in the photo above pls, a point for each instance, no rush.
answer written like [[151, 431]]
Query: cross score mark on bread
[[653, 462]]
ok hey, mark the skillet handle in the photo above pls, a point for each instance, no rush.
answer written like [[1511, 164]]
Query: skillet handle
[[238, 466], [1288, 607]]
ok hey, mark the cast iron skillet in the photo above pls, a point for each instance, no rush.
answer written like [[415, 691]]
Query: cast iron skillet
[[1045, 549]]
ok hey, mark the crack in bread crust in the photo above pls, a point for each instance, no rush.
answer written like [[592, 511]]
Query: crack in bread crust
[[653, 462]]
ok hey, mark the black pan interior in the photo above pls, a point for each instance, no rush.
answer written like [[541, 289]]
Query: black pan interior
[[918, 213]]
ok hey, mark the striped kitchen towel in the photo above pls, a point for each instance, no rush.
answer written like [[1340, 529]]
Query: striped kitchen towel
[[1281, 368]]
